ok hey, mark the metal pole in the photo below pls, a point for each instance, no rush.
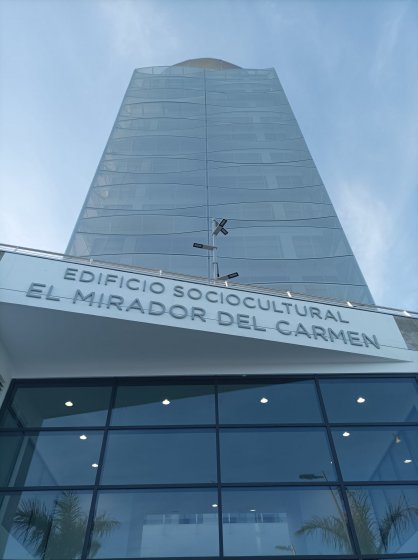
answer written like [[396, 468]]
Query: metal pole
[[215, 266]]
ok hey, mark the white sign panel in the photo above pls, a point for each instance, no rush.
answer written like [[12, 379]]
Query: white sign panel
[[130, 296]]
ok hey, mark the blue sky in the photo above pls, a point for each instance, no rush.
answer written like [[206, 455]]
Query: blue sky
[[349, 69]]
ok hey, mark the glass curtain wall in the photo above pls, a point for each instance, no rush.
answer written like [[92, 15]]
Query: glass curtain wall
[[193, 468], [191, 144]]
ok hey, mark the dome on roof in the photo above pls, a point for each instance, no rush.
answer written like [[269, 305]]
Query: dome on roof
[[208, 63]]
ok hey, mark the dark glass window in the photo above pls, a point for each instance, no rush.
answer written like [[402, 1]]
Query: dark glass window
[[268, 403], [160, 457], [49, 458], [284, 521], [156, 523], [371, 400], [377, 453], [10, 445], [275, 455], [72, 405], [158, 491], [385, 518], [47, 525], [146, 405]]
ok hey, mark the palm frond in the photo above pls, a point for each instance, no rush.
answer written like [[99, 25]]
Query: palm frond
[[58, 532], [398, 518], [32, 525], [331, 529], [364, 521], [102, 526]]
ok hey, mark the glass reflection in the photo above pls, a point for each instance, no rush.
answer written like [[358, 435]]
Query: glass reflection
[[289, 401], [43, 407], [142, 405], [160, 457], [43, 459], [385, 400], [284, 521], [151, 523], [385, 518], [251, 138], [377, 453], [275, 455], [45, 525]]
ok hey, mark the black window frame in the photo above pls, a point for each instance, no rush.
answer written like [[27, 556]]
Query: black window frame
[[340, 484]]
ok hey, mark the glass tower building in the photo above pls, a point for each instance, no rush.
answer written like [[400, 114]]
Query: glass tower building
[[204, 140], [150, 415]]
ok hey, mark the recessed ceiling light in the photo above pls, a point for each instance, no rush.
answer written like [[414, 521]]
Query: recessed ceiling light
[[94, 465], [83, 436], [214, 505], [252, 509], [407, 461], [69, 403], [165, 402], [264, 400], [397, 439], [346, 434], [361, 400]]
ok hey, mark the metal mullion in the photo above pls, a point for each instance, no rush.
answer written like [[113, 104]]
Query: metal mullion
[[90, 520], [372, 424], [218, 468], [81, 487], [282, 557], [91, 381], [163, 380], [38, 430], [179, 485], [60, 488], [250, 379], [12, 431], [156, 486], [64, 381], [365, 375], [272, 425], [8, 399], [351, 527], [163, 427], [172, 558], [286, 484], [381, 483], [390, 555]]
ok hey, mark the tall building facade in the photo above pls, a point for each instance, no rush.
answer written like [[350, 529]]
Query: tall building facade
[[205, 140], [147, 414]]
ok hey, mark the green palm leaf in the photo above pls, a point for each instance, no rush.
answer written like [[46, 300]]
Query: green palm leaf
[[60, 533], [331, 529]]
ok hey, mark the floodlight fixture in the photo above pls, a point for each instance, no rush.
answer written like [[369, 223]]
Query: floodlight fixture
[[228, 276], [203, 246], [213, 271], [219, 227]]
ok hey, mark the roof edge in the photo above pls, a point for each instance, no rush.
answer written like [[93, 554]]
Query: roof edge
[[209, 64]]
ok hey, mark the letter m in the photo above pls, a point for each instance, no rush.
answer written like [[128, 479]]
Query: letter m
[[78, 296]]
